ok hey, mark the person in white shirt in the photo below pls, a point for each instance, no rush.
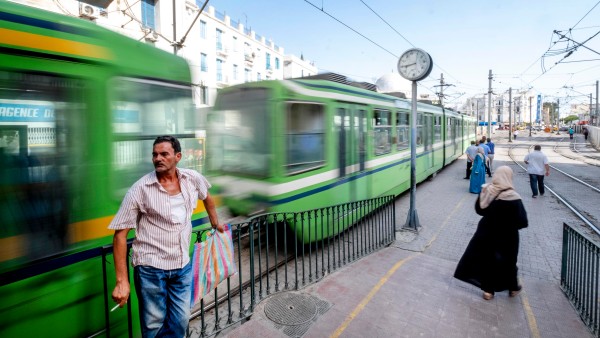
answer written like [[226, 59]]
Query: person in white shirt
[[537, 164], [159, 207]]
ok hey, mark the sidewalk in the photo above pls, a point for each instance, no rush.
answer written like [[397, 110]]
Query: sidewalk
[[407, 289]]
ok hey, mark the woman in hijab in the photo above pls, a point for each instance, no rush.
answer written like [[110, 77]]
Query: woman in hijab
[[490, 260], [477, 172]]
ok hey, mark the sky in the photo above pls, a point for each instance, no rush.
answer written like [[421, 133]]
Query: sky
[[515, 39]]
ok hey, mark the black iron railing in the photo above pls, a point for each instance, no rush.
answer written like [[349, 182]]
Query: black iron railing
[[288, 251], [580, 274]]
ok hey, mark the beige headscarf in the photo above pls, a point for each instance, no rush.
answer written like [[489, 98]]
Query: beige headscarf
[[501, 188]]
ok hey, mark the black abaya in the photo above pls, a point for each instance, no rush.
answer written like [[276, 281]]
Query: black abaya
[[490, 260]]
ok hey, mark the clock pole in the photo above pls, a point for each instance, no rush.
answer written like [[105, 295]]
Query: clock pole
[[414, 65], [412, 220]]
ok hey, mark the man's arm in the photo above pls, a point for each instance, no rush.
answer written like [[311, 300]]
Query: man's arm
[[547, 169], [209, 205], [122, 289]]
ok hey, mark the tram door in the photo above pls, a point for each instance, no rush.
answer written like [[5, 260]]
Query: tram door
[[351, 124], [428, 140]]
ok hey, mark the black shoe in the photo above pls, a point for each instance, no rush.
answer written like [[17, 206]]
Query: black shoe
[[465, 178]]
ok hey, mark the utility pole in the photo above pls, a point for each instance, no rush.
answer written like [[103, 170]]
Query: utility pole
[[489, 128], [597, 119], [510, 114], [442, 85], [530, 124], [590, 105], [442, 89]]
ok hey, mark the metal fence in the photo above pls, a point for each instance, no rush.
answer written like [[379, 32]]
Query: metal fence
[[289, 251], [580, 274]]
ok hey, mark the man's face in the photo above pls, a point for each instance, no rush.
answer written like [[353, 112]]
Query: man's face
[[164, 157]]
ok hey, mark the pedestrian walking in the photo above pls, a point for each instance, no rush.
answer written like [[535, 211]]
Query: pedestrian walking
[[515, 133], [159, 207], [491, 153], [585, 133], [571, 132], [477, 172], [490, 260], [486, 151], [471, 152], [537, 165]]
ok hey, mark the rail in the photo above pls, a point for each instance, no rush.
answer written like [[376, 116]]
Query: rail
[[278, 260], [580, 274]]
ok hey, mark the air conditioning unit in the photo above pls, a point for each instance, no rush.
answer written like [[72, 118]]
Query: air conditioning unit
[[150, 35], [88, 11]]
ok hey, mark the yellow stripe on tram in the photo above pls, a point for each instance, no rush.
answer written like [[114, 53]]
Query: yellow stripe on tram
[[36, 41]]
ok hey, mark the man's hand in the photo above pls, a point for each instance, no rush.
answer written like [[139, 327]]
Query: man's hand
[[121, 293], [220, 228]]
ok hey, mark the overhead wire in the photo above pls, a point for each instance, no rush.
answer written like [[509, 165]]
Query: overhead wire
[[352, 29]]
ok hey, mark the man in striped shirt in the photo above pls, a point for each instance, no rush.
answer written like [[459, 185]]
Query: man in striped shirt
[[159, 207]]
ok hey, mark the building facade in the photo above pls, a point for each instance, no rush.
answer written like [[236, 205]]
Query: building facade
[[220, 51]]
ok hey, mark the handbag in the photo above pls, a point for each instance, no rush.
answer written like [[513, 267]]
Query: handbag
[[212, 263]]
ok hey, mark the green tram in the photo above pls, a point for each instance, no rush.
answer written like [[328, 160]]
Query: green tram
[[294, 145], [80, 106]]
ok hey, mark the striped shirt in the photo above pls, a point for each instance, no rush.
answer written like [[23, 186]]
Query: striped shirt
[[161, 240]]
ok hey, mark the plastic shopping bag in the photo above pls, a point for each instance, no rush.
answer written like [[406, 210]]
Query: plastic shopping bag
[[212, 263]]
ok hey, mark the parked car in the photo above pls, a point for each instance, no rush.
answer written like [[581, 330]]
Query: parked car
[[563, 128]]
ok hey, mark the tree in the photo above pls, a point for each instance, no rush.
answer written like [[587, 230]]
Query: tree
[[570, 119]]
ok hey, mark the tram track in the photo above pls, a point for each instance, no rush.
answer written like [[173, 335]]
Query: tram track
[[576, 199]]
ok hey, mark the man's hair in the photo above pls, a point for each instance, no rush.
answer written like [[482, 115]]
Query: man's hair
[[537, 147], [489, 139], [472, 142], [171, 139]]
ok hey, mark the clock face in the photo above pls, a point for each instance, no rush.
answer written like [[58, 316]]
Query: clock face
[[415, 64]]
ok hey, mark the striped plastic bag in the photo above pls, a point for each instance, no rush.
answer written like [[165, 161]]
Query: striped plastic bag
[[212, 263]]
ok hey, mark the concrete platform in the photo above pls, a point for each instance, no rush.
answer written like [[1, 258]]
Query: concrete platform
[[407, 289]]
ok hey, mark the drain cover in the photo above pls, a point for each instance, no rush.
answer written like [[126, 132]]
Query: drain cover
[[291, 308]]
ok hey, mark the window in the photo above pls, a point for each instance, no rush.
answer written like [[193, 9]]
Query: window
[[204, 95], [276, 63], [41, 128], [239, 132], [305, 139], [203, 66], [235, 72], [437, 128], [402, 131], [248, 55], [141, 111], [219, 39], [202, 29], [258, 77], [247, 75], [234, 44], [219, 70], [382, 129], [419, 129], [268, 57], [148, 14]]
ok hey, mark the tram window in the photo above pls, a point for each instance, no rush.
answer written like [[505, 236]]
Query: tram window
[[305, 136], [419, 129], [39, 116], [383, 131], [141, 111], [402, 130], [437, 128]]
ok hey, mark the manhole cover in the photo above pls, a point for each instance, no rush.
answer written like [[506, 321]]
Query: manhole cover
[[291, 308]]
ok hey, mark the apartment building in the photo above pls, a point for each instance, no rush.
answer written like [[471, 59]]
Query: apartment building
[[220, 51]]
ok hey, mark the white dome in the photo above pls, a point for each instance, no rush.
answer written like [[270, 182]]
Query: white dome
[[392, 82]]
